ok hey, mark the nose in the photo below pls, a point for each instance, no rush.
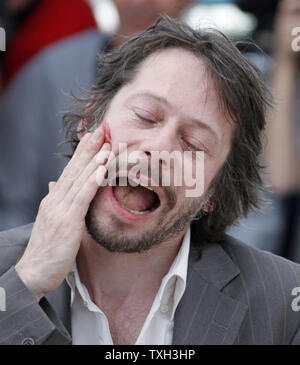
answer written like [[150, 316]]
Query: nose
[[158, 144]]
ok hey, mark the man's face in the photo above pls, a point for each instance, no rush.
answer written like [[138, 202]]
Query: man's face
[[171, 105], [136, 15]]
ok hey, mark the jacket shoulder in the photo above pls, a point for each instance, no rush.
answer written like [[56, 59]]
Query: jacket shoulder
[[270, 286], [244, 255]]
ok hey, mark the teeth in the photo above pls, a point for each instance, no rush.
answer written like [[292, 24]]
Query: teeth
[[134, 211], [137, 212], [140, 183]]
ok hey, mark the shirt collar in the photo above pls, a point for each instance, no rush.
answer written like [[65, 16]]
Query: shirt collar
[[178, 274], [171, 289]]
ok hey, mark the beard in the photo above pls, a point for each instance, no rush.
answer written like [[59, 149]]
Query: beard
[[113, 237]]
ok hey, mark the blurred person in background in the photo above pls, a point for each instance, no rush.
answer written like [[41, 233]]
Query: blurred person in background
[[136, 15], [34, 25], [44, 55], [12, 14], [264, 11], [282, 147], [54, 51], [274, 227]]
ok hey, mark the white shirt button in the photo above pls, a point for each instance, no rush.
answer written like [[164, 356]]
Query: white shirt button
[[164, 308]]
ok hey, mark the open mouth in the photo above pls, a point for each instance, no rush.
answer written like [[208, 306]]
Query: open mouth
[[137, 199]]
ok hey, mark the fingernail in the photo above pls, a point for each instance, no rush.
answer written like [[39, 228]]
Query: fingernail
[[104, 151], [106, 146], [102, 156]]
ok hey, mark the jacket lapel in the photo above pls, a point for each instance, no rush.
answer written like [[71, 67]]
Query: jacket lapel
[[205, 314]]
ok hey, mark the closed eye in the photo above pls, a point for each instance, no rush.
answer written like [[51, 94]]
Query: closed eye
[[147, 120], [193, 147]]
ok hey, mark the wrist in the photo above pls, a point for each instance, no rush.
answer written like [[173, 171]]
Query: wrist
[[26, 277]]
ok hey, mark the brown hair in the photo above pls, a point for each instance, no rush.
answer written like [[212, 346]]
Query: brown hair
[[243, 95]]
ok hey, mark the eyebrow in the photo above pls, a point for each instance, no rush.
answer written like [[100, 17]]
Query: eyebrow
[[163, 100]]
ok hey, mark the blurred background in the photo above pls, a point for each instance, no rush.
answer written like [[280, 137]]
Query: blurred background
[[51, 49]]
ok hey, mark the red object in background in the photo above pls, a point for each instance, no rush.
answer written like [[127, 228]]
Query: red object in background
[[50, 21]]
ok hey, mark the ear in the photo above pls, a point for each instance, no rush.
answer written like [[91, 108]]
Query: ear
[[209, 205], [208, 208]]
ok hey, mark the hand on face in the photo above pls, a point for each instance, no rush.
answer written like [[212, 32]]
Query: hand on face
[[60, 223]]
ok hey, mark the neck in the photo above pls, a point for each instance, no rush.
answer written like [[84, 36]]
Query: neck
[[114, 277]]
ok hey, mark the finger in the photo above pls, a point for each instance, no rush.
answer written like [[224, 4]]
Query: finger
[[87, 148], [110, 165], [100, 174], [103, 154], [84, 197], [88, 171]]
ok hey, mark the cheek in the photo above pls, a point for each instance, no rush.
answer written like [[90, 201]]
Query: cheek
[[118, 131], [194, 174], [198, 175], [120, 127], [187, 205]]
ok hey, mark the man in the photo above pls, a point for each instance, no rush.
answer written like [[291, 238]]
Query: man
[[105, 265]]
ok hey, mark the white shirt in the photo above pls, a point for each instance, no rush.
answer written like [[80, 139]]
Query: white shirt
[[90, 325]]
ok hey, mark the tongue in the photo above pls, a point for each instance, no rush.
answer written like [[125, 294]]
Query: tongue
[[135, 198]]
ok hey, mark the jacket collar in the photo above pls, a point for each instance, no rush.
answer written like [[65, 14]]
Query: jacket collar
[[206, 314]]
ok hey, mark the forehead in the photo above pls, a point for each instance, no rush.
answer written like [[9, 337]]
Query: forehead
[[176, 73]]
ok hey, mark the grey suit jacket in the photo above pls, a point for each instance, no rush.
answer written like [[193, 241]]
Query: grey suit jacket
[[235, 294]]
